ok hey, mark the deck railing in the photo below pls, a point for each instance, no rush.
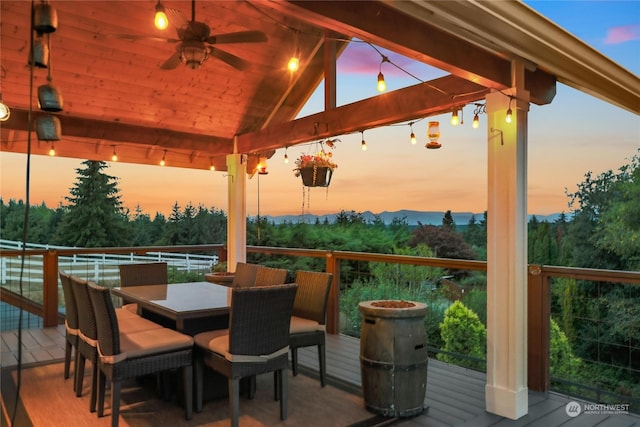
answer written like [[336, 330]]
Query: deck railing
[[44, 294]]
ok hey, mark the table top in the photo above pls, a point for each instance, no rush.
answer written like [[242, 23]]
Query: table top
[[180, 301]]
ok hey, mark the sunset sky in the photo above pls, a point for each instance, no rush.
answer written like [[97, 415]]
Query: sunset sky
[[575, 134]]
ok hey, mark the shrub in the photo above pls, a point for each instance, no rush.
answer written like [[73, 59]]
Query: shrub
[[463, 333]]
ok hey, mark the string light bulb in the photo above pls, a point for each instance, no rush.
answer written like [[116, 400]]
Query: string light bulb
[[212, 168], [455, 120], [509, 112], [52, 150], [476, 122], [363, 144], [114, 156], [5, 111], [294, 62], [286, 156], [162, 161], [382, 85], [160, 20], [412, 137]]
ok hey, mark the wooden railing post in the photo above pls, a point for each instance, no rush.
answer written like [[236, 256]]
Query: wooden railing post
[[50, 289], [333, 305], [539, 312]]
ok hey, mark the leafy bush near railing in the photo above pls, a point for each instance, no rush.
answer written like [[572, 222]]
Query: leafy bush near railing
[[463, 333], [562, 361]]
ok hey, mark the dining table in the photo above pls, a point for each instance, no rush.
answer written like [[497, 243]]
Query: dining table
[[189, 308]]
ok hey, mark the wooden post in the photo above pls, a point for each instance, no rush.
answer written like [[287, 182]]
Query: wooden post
[[50, 289], [333, 305], [539, 315]]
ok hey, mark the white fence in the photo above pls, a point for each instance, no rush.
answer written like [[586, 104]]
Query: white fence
[[95, 267]]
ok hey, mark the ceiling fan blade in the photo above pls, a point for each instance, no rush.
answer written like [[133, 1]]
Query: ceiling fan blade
[[234, 61], [137, 37], [172, 62], [176, 17], [239, 37]]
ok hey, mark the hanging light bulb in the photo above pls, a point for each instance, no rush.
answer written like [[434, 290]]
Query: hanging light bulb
[[363, 144], [382, 85], [455, 120], [160, 20], [5, 111], [294, 62], [509, 112], [412, 137], [212, 168], [114, 156], [162, 161], [52, 150], [286, 157], [476, 122]]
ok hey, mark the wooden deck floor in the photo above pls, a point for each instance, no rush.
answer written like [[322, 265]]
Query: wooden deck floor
[[455, 396]]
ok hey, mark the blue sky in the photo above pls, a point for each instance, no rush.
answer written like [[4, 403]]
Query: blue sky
[[575, 134]]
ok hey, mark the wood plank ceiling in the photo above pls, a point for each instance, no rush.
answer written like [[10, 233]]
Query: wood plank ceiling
[[117, 98]]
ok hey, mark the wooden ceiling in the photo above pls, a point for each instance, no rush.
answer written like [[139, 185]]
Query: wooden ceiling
[[117, 98]]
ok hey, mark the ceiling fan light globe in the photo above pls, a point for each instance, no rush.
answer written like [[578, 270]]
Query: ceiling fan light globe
[[193, 55]]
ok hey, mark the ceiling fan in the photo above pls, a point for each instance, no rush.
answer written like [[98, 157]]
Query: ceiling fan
[[195, 43]]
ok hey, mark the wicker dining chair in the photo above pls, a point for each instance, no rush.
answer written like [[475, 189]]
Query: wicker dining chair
[[245, 275], [268, 276], [123, 356], [88, 338], [72, 327], [309, 316], [255, 343], [141, 274]]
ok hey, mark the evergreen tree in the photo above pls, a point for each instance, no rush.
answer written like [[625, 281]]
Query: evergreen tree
[[94, 216], [447, 221]]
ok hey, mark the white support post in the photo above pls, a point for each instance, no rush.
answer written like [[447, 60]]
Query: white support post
[[237, 215], [506, 391]]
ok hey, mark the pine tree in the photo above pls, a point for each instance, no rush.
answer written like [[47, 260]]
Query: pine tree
[[94, 216]]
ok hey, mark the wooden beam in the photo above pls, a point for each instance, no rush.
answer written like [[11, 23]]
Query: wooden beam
[[73, 126], [377, 22], [422, 100]]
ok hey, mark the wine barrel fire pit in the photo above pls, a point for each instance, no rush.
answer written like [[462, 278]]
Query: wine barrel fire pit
[[393, 357]]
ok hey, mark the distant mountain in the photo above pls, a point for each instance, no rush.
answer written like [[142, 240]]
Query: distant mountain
[[412, 217]]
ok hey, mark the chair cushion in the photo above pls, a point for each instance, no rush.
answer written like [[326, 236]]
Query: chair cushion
[[133, 307], [203, 339], [218, 342], [300, 325], [129, 325], [125, 312], [138, 344]]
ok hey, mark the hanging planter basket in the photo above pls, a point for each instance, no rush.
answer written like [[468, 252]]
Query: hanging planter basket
[[316, 176]]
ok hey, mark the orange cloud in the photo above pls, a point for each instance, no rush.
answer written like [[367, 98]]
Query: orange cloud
[[625, 33]]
